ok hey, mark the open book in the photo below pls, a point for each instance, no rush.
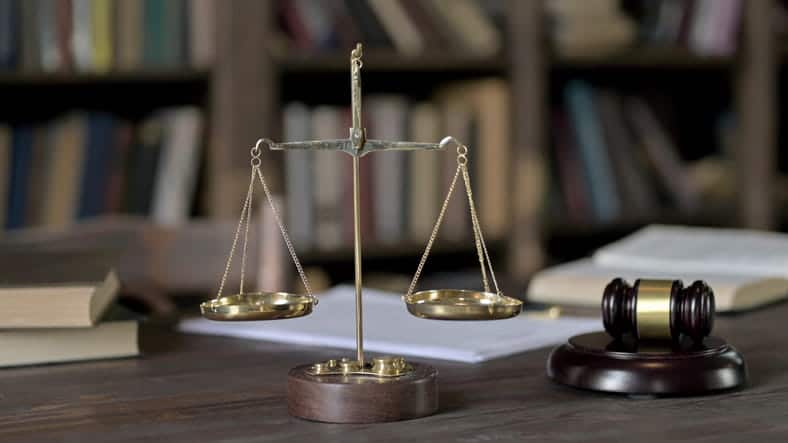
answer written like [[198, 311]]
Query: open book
[[746, 269]]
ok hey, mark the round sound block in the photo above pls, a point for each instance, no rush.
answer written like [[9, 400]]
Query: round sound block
[[597, 362], [362, 398]]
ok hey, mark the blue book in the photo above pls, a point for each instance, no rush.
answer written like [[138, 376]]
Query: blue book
[[9, 34], [21, 159], [593, 150], [96, 164]]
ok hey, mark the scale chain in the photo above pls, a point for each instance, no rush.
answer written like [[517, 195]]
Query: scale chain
[[245, 219], [286, 237], [235, 239], [478, 234], [481, 247]]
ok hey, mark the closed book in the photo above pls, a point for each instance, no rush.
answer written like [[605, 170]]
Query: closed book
[[5, 169], [299, 177], [581, 109], [61, 200], [630, 166], [175, 33], [123, 139], [202, 33], [570, 172], [458, 119], [470, 25], [111, 339], [128, 34], [82, 34], [9, 34], [143, 164], [388, 121], [176, 178], [375, 36], [663, 155], [404, 33], [30, 50], [436, 36], [328, 178], [61, 295], [154, 33], [317, 18], [64, 32], [21, 165], [98, 148], [40, 167], [47, 26], [492, 155], [426, 188], [102, 34]]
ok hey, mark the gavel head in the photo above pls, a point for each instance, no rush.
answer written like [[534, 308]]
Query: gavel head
[[658, 309]]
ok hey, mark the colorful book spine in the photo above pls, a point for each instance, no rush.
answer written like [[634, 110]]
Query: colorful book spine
[[583, 115], [21, 164]]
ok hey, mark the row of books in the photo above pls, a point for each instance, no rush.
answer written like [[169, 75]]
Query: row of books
[[104, 35], [402, 192], [62, 313], [613, 157], [410, 27], [705, 27], [86, 164]]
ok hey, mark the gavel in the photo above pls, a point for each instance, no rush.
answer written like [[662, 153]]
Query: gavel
[[658, 309]]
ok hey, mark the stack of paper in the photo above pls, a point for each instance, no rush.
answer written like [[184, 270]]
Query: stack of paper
[[390, 329]]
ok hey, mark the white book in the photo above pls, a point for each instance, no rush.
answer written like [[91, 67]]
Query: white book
[[425, 187], [388, 122], [326, 125], [202, 33], [390, 329], [745, 269], [299, 177], [82, 34], [176, 178]]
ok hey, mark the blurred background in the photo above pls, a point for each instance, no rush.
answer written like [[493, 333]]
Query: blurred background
[[126, 127]]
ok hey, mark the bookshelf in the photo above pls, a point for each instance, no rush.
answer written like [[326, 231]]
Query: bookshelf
[[253, 75]]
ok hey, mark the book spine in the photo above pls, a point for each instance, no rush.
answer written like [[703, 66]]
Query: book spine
[[299, 177], [97, 148], [604, 195], [176, 181], [82, 36], [102, 34], [21, 164]]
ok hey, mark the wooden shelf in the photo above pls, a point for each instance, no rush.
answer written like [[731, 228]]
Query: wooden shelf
[[645, 57], [15, 79], [388, 61]]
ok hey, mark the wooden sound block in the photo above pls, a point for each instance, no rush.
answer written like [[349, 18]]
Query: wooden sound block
[[362, 398], [598, 362]]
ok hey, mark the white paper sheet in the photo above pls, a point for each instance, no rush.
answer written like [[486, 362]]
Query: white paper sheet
[[390, 329]]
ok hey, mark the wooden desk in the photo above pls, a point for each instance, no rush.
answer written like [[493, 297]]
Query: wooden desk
[[173, 395]]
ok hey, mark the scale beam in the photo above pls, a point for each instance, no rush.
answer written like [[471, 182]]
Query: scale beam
[[346, 146]]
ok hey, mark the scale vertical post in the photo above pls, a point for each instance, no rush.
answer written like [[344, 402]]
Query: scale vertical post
[[357, 138]]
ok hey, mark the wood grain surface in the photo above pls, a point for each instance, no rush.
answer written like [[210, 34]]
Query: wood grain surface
[[195, 389]]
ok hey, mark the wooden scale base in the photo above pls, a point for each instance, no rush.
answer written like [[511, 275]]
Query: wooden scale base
[[362, 399], [598, 362]]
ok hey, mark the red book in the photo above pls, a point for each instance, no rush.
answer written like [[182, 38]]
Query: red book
[[63, 22]]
